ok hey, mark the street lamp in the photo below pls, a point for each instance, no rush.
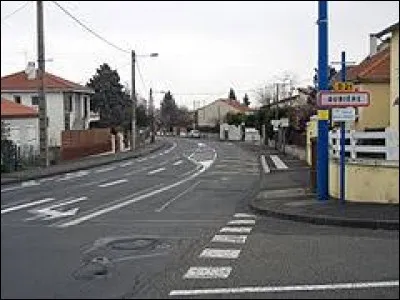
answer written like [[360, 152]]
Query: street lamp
[[133, 96]]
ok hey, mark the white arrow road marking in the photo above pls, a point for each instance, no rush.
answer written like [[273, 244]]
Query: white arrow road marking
[[29, 204], [113, 182], [205, 166], [48, 213]]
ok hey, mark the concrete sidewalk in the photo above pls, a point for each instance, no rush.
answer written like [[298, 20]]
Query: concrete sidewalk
[[286, 194], [79, 164]]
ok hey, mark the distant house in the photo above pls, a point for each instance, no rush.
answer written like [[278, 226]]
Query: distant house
[[215, 112], [22, 123], [373, 75], [68, 103]]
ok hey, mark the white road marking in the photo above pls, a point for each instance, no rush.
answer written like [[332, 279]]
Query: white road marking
[[153, 156], [142, 159], [177, 163], [105, 170], [29, 183], [278, 162], [65, 203], [177, 197], [113, 182], [47, 179], [170, 149], [265, 165], [234, 239], [138, 171], [156, 171], [220, 253], [244, 215], [242, 222], [236, 229], [208, 272], [294, 288], [126, 164], [29, 204], [10, 189], [205, 165], [69, 176]]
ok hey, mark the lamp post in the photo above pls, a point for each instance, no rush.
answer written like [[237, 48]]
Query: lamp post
[[133, 97]]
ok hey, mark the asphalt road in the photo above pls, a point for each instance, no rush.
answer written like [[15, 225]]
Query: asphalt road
[[176, 224]]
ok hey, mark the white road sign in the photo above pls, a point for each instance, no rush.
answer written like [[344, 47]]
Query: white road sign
[[342, 99], [343, 114]]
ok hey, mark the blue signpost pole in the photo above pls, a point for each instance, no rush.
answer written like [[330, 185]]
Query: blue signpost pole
[[322, 141], [342, 139]]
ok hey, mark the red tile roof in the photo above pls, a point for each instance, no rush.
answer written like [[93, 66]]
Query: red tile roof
[[10, 109], [374, 68], [236, 104], [20, 82]]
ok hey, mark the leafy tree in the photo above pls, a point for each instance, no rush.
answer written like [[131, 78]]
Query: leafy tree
[[109, 99], [235, 118], [246, 100], [169, 110], [232, 95]]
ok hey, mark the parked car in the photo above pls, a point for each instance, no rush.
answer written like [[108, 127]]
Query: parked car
[[194, 133]]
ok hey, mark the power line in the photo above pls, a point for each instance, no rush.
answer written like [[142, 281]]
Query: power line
[[141, 77], [88, 29], [15, 11]]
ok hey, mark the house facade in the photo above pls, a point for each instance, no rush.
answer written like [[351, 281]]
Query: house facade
[[215, 112], [22, 124], [68, 103]]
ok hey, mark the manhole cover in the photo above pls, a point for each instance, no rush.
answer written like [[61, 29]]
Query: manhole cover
[[133, 244]]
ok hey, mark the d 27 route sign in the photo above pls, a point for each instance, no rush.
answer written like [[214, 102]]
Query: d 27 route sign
[[342, 99]]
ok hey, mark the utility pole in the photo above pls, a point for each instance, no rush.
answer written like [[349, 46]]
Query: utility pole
[[43, 139], [133, 96], [276, 113], [151, 108], [194, 114], [323, 115]]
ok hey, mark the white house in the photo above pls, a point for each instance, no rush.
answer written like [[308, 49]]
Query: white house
[[22, 123], [68, 103], [215, 112]]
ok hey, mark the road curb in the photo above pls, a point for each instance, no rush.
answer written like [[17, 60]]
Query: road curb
[[327, 220], [105, 160]]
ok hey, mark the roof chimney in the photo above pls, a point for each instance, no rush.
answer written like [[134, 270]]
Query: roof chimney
[[373, 44], [30, 70]]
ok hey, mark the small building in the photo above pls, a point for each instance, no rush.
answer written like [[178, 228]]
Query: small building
[[22, 125], [215, 113], [68, 103]]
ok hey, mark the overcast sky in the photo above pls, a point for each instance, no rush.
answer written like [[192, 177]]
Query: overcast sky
[[204, 47]]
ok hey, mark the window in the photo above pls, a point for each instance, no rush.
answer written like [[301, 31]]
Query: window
[[17, 99], [70, 103], [85, 107], [35, 100]]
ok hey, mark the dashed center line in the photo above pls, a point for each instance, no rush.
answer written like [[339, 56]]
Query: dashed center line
[[156, 171], [177, 163], [113, 183], [105, 170]]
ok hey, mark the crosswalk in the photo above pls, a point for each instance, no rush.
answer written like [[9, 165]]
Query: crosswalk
[[224, 246]]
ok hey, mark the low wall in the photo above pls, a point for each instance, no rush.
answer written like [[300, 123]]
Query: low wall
[[374, 181], [81, 143], [293, 150]]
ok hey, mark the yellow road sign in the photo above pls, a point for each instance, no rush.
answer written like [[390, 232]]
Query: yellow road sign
[[323, 114], [346, 86]]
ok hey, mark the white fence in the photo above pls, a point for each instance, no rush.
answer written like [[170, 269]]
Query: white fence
[[363, 144]]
